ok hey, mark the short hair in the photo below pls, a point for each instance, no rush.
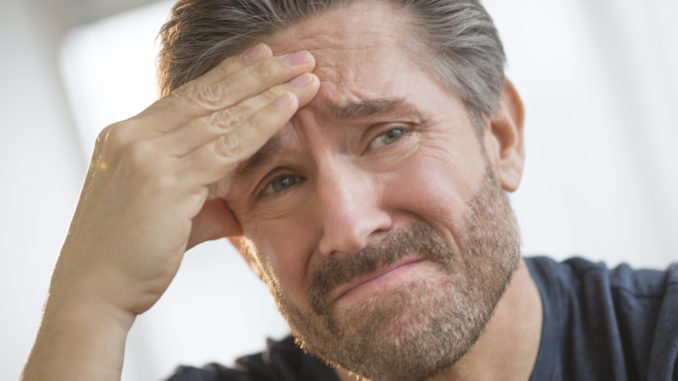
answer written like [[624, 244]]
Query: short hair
[[467, 54]]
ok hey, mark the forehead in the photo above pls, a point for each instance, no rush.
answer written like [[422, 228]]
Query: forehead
[[360, 25], [360, 50]]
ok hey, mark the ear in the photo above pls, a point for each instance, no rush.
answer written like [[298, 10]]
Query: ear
[[503, 138], [247, 251]]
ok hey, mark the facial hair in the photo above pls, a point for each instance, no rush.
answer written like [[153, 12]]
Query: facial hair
[[424, 327]]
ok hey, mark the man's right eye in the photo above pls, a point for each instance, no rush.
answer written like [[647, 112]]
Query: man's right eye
[[280, 184]]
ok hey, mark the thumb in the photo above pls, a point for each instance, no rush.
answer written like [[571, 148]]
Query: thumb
[[215, 220]]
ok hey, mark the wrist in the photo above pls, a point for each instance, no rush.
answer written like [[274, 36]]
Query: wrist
[[78, 290], [87, 310], [79, 339], [79, 302]]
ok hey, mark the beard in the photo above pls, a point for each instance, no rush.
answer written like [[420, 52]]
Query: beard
[[422, 328]]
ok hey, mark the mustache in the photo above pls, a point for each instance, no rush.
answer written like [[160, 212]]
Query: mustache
[[419, 240]]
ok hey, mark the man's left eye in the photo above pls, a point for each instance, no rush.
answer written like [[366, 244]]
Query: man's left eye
[[387, 137], [280, 184]]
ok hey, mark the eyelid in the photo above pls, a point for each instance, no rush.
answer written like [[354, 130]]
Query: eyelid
[[267, 180], [373, 132]]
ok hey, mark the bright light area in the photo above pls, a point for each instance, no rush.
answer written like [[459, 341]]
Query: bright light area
[[109, 68], [599, 84]]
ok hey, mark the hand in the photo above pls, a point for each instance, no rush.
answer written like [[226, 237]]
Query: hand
[[144, 202]]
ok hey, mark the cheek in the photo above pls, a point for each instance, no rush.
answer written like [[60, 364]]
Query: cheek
[[436, 183], [284, 249]]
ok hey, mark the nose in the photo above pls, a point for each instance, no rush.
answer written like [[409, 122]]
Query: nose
[[350, 209]]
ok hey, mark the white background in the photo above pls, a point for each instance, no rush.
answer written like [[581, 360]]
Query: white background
[[600, 84]]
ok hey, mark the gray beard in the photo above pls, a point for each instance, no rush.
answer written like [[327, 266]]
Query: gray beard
[[423, 328]]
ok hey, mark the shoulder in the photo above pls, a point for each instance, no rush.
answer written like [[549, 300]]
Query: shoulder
[[281, 361], [629, 300], [608, 322], [210, 372], [578, 274]]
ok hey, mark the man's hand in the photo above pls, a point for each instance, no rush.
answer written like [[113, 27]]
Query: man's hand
[[145, 194]]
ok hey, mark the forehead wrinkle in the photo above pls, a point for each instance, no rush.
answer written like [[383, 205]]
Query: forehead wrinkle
[[354, 110], [321, 41]]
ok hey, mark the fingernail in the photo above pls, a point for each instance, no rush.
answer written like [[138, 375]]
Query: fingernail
[[301, 81], [297, 58], [254, 54], [283, 102]]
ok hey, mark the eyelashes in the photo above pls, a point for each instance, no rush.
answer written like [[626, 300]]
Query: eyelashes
[[386, 138], [280, 184]]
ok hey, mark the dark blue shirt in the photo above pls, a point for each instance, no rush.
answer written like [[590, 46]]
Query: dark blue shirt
[[602, 324], [599, 324]]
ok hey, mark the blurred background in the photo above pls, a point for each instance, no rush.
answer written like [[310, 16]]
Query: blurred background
[[600, 85]]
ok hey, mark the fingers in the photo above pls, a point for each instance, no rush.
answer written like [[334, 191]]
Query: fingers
[[201, 131], [236, 78], [226, 85], [206, 98], [224, 69], [214, 160], [234, 64]]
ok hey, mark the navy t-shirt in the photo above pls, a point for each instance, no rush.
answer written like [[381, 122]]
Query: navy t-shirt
[[602, 324], [599, 324]]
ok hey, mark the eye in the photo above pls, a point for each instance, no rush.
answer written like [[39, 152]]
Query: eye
[[280, 184], [387, 137]]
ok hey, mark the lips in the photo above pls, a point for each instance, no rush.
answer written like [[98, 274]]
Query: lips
[[364, 280]]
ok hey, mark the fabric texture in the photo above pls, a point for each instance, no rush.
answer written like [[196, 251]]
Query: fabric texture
[[599, 324], [281, 361]]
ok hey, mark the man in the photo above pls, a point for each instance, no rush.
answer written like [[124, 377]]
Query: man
[[359, 152]]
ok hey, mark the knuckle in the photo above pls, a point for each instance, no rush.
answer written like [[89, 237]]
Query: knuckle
[[208, 96], [226, 146], [270, 95], [224, 120], [267, 69], [140, 153], [211, 95], [116, 135], [164, 183]]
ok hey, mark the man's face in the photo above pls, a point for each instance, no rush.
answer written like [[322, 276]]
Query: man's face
[[375, 215]]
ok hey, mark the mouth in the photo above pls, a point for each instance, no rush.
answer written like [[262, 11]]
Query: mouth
[[379, 279]]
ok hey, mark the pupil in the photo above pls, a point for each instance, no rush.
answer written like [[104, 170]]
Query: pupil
[[283, 183], [393, 133]]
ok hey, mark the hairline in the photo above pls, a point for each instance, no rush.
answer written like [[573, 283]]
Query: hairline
[[439, 64], [413, 49]]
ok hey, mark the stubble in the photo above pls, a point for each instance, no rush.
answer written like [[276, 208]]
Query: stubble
[[428, 324]]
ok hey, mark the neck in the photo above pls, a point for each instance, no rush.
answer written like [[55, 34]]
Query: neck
[[507, 349]]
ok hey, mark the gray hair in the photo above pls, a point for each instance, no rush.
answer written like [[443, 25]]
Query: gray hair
[[458, 34]]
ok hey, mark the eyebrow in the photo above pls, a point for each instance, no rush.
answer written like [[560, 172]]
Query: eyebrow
[[260, 158], [356, 110], [364, 108]]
